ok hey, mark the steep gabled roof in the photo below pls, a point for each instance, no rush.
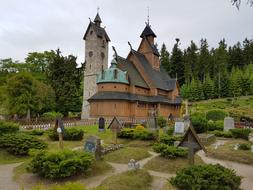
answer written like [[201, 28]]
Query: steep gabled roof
[[100, 32], [147, 32], [135, 77], [159, 78]]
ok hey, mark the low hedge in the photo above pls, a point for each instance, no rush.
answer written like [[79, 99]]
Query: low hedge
[[20, 143], [245, 146], [8, 127], [215, 177], [60, 164], [70, 134], [216, 115], [240, 133], [169, 140], [36, 132], [169, 151], [215, 125], [226, 134], [136, 134]]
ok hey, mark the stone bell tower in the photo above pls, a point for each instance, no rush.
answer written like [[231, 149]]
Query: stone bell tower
[[96, 60]]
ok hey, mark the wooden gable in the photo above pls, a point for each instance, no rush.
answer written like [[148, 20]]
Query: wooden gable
[[115, 125]]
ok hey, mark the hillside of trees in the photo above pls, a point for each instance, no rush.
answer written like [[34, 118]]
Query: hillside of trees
[[207, 73]]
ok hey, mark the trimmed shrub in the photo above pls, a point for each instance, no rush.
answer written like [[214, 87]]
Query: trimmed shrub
[[60, 164], [215, 125], [139, 127], [70, 134], [240, 133], [161, 122], [8, 127], [216, 115], [199, 124], [215, 177], [36, 132], [169, 140], [169, 151], [136, 134], [245, 146], [226, 134], [52, 115], [20, 143], [170, 131]]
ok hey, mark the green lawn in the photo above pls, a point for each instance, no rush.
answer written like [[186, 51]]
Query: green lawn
[[7, 158], [227, 152], [130, 180], [165, 165], [242, 106], [124, 155]]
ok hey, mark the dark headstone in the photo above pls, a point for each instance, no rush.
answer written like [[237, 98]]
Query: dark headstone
[[101, 124]]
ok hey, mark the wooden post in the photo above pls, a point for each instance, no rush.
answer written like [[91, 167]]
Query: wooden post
[[60, 140], [116, 137], [191, 155]]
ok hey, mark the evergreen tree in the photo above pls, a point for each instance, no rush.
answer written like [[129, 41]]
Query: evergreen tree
[[204, 60], [65, 79], [165, 58], [177, 65], [191, 59], [235, 57], [185, 91], [248, 51], [235, 87], [208, 88], [187, 69], [245, 81], [195, 90]]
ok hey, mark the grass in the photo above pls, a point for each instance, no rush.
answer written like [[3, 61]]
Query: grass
[[241, 106], [161, 164], [130, 180], [227, 152], [125, 154], [7, 158]]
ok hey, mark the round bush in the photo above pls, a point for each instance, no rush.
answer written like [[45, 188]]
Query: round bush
[[52, 115], [216, 115], [161, 122], [215, 177], [169, 151], [60, 164], [215, 125], [8, 127], [199, 124], [70, 134], [20, 143]]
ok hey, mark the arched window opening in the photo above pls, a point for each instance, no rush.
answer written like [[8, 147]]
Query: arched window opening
[[115, 74]]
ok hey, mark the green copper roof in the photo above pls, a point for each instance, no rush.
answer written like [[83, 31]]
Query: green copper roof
[[113, 75]]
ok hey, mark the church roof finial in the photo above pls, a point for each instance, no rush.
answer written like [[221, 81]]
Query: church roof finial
[[148, 17]]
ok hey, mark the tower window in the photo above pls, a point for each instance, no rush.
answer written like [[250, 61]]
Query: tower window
[[102, 55], [115, 74], [91, 32], [90, 53], [103, 43]]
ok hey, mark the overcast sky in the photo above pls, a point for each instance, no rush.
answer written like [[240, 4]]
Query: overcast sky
[[38, 25]]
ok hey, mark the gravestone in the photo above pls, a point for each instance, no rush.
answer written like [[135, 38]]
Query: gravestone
[[179, 128], [192, 142], [101, 124], [229, 123], [93, 145]]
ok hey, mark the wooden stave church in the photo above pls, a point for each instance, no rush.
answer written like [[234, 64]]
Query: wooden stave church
[[137, 86]]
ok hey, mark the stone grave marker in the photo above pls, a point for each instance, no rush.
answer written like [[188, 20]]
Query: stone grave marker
[[229, 123], [192, 142], [93, 145], [115, 127], [101, 124], [179, 128]]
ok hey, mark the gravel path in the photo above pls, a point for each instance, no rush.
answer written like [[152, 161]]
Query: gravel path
[[6, 173], [241, 169]]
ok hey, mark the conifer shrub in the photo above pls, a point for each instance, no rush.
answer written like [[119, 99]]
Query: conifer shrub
[[161, 122], [20, 143], [8, 127], [216, 115], [52, 115], [240, 133], [144, 134], [169, 151], [226, 134], [215, 177], [245, 146], [60, 164], [70, 134], [36, 132], [199, 124], [169, 140], [215, 125]]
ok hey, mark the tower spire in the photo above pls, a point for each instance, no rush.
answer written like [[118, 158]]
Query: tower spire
[[148, 17], [97, 19]]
